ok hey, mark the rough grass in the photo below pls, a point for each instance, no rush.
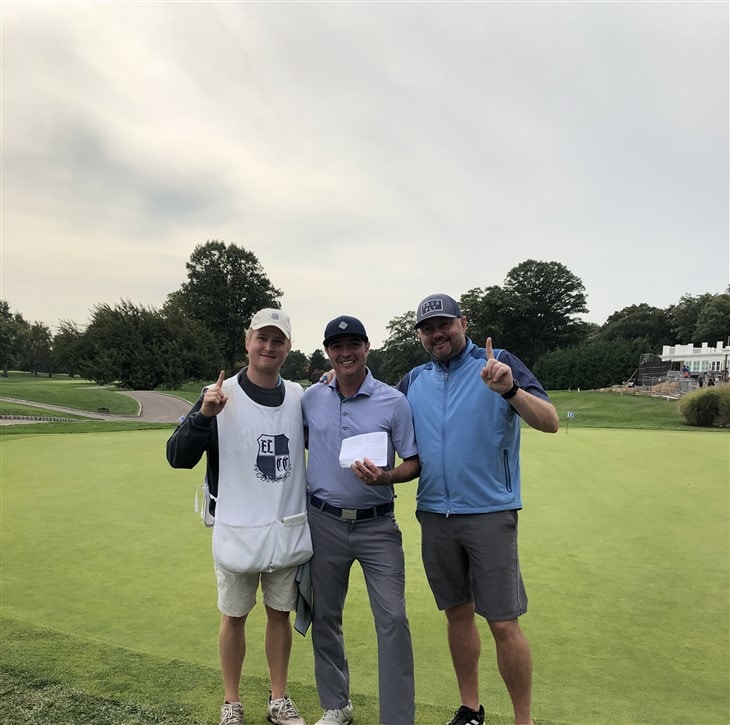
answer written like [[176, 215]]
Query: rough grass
[[44, 702]]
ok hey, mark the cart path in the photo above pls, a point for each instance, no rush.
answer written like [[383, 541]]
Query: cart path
[[153, 408]]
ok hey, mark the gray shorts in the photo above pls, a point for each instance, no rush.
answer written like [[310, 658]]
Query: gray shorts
[[473, 557], [237, 592]]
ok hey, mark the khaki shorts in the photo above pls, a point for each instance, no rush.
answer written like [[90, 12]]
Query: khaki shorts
[[237, 592]]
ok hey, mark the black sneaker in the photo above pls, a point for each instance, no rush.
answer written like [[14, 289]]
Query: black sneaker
[[466, 716]]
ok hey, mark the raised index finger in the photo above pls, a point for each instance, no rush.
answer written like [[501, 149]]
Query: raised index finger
[[490, 352], [221, 378]]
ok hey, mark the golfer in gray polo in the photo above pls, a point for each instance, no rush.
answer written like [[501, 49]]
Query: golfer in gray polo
[[351, 517]]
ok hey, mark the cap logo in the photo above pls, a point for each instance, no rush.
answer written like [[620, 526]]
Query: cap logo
[[342, 325], [432, 306], [274, 315]]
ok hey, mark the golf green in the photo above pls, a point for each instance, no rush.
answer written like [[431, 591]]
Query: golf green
[[624, 546]]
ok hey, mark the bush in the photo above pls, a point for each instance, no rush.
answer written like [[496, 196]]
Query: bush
[[707, 408]]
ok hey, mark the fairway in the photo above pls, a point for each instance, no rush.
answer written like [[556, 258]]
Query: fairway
[[624, 545]]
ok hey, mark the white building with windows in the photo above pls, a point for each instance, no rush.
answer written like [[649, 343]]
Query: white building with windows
[[699, 360]]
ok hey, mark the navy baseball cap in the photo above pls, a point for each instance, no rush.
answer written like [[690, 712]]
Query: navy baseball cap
[[344, 325], [437, 305]]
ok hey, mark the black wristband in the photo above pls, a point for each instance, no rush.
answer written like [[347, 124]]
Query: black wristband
[[512, 391]]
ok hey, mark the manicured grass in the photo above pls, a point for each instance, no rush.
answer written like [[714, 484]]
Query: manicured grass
[[190, 391], [67, 392], [625, 549], [82, 426], [593, 409], [107, 584], [32, 411]]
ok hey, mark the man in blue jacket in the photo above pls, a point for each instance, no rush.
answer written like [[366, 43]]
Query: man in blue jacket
[[467, 405]]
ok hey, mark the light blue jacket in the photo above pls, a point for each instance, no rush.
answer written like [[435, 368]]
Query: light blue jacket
[[468, 435]]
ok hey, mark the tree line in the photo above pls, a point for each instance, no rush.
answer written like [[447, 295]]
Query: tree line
[[201, 328]]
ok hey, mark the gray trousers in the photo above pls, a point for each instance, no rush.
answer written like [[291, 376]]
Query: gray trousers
[[377, 545]]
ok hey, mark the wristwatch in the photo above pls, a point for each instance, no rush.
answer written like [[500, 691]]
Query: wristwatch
[[512, 391]]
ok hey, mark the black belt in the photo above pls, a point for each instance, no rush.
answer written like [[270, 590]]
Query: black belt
[[352, 514]]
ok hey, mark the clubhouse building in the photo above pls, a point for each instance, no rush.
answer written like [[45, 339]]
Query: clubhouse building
[[703, 361]]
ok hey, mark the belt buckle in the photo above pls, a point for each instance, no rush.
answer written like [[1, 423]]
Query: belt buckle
[[349, 514]]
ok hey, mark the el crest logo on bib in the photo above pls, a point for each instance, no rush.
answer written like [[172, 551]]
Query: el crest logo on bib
[[273, 462]]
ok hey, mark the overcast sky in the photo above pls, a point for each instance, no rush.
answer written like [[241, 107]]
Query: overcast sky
[[368, 153]]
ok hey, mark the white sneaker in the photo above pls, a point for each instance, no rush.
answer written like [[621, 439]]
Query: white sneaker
[[343, 716], [232, 714], [284, 712]]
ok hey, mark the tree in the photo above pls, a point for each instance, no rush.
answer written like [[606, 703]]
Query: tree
[[9, 331], [187, 351], [551, 287], [67, 348], [591, 366], [226, 286], [713, 320], [296, 366], [636, 322], [141, 348], [376, 363], [534, 312], [37, 349], [494, 312], [402, 350], [684, 315], [22, 344], [318, 365], [551, 297]]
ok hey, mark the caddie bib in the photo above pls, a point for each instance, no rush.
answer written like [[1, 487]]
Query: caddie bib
[[261, 512]]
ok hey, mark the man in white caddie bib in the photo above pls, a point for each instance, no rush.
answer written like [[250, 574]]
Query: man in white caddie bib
[[250, 428]]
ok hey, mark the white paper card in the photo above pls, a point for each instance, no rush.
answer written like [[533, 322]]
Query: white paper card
[[368, 445]]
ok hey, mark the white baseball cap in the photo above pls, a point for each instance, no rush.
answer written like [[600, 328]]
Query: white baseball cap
[[274, 318]]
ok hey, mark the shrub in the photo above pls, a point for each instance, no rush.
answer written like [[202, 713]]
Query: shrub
[[707, 408]]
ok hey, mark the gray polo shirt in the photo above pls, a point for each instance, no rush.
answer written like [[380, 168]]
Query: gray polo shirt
[[329, 418]]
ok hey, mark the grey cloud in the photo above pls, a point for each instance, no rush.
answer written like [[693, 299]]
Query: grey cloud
[[425, 145], [80, 175]]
